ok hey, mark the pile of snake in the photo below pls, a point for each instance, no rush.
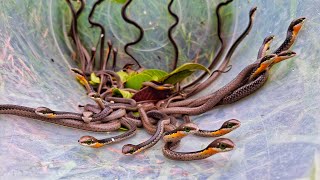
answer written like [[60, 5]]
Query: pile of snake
[[168, 118]]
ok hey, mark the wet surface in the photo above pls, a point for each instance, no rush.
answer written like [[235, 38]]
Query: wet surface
[[279, 137]]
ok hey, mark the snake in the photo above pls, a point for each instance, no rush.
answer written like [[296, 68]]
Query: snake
[[105, 72], [84, 55], [180, 132], [221, 48], [147, 125], [130, 149], [195, 102], [132, 102], [91, 141], [267, 64], [244, 88], [81, 78], [292, 33], [224, 64], [265, 46], [219, 145], [225, 128], [161, 87], [73, 123], [48, 113], [113, 74], [194, 90], [215, 97], [119, 113]]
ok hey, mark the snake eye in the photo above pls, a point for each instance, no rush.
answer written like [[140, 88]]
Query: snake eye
[[229, 125], [89, 142], [222, 146], [131, 151], [187, 129]]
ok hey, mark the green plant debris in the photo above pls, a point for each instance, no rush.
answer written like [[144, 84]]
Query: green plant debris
[[94, 80], [123, 75], [156, 74], [182, 72], [121, 93]]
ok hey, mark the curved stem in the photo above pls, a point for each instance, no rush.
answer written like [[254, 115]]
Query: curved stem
[[102, 32], [125, 17], [176, 50]]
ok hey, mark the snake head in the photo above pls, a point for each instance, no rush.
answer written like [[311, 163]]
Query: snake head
[[296, 25], [221, 145], [283, 56], [180, 132], [253, 12], [93, 95], [128, 68], [267, 41], [45, 112], [267, 58], [77, 71], [89, 141], [157, 114], [231, 125], [129, 149], [188, 128]]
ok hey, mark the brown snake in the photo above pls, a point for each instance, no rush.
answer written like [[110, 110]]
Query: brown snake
[[30, 113]]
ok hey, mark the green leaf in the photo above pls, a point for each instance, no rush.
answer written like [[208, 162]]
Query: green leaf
[[123, 76], [123, 129], [156, 74], [177, 77], [135, 82], [136, 114], [94, 79], [182, 72], [119, 1], [121, 93]]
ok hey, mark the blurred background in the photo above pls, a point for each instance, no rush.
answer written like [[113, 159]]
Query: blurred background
[[280, 133]]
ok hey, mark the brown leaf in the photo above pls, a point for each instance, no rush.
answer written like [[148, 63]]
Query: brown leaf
[[149, 93]]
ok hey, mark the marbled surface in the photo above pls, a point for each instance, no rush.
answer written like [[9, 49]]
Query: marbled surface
[[280, 133]]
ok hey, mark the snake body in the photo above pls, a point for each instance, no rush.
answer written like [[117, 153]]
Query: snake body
[[73, 123], [221, 48], [129, 149], [214, 98], [225, 128], [227, 58], [96, 143], [48, 113], [245, 90], [292, 33], [217, 146]]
